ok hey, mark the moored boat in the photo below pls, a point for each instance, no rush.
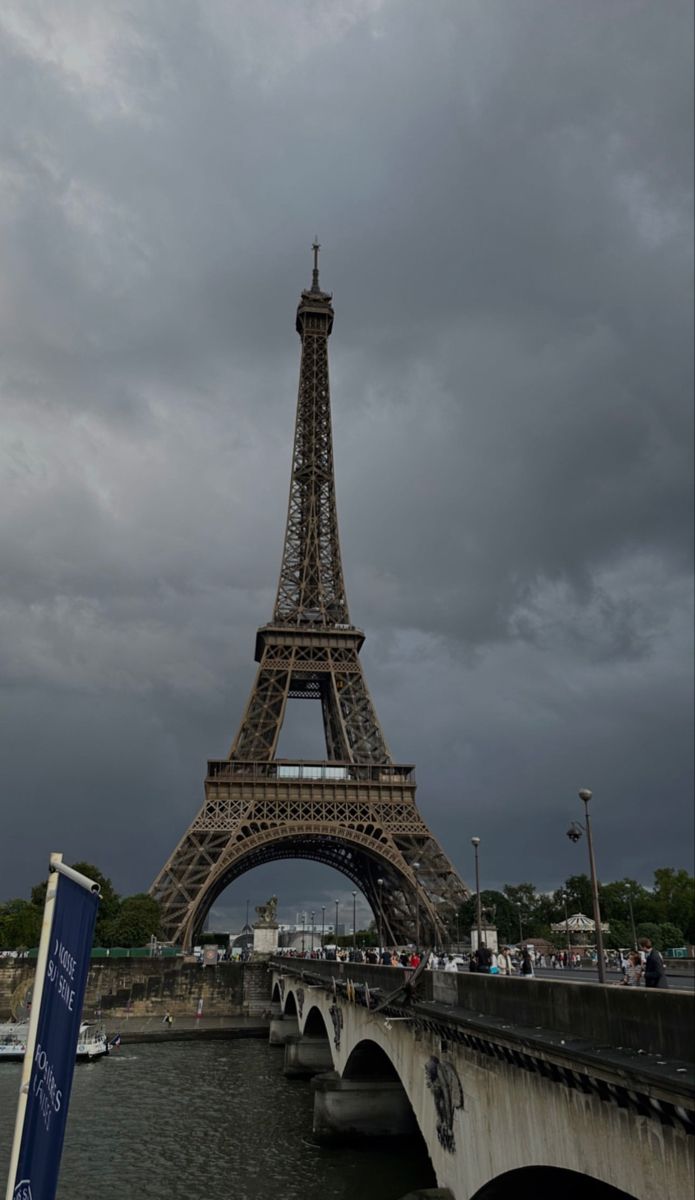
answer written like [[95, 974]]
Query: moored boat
[[13, 1040], [91, 1042]]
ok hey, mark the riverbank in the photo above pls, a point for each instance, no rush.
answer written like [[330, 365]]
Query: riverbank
[[185, 1029], [151, 987]]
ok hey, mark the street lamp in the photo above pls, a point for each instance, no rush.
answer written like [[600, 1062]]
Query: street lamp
[[416, 867], [475, 843], [567, 931], [521, 932], [354, 923], [380, 884], [303, 930], [574, 833], [632, 922], [323, 925], [312, 932], [335, 939]]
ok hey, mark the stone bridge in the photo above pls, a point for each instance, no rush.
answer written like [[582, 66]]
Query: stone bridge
[[518, 1087]]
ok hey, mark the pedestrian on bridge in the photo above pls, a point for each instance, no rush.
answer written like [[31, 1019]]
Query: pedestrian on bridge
[[633, 969], [654, 969], [526, 968], [504, 962]]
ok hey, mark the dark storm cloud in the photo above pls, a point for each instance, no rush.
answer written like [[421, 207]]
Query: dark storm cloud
[[504, 197]]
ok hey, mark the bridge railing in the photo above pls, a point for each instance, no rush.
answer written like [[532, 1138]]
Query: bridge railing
[[650, 1020]]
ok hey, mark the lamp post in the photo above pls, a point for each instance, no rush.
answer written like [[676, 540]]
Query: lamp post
[[335, 938], [475, 843], [521, 932], [303, 931], [567, 930], [354, 923], [380, 884], [416, 867], [574, 833], [323, 925], [632, 922], [312, 932]]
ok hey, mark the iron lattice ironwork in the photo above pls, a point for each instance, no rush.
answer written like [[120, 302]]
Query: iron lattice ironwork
[[355, 810]]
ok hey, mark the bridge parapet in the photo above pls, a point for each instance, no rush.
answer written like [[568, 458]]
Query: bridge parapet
[[508, 1076], [648, 1020]]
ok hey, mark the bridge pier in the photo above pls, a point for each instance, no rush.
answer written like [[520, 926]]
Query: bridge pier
[[281, 1029], [305, 1056], [356, 1109]]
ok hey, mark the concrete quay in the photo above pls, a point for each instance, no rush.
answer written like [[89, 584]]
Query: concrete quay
[[185, 1028]]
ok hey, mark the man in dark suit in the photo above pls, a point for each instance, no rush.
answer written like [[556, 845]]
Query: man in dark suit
[[654, 970]]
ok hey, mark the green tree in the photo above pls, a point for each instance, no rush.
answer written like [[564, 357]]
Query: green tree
[[20, 925], [670, 935], [619, 936], [617, 898], [524, 901], [674, 899], [136, 921], [547, 912], [649, 929], [578, 888]]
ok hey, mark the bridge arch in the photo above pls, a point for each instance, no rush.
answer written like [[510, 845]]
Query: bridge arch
[[290, 1008], [368, 1060], [315, 1024], [547, 1183], [363, 854]]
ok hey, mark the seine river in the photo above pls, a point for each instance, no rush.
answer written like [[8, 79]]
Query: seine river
[[210, 1120]]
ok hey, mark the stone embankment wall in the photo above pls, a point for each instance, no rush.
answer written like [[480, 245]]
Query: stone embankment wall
[[146, 987]]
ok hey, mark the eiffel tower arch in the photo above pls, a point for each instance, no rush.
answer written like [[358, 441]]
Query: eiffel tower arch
[[355, 810]]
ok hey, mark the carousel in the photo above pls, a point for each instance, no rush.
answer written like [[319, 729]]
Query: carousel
[[576, 928]]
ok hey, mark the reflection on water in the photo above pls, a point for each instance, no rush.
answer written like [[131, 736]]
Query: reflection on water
[[214, 1120]]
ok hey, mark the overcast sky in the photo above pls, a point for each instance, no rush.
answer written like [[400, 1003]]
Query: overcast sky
[[503, 192]]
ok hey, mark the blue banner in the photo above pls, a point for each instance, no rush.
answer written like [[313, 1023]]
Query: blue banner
[[56, 1041]]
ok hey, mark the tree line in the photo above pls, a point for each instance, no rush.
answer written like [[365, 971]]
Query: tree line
[[665, 912], [127, 921]]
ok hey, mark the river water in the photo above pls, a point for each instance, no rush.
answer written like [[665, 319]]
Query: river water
[[210, 1120]]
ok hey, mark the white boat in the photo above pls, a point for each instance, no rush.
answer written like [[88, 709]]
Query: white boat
[[13, 1040], [91, 1042]]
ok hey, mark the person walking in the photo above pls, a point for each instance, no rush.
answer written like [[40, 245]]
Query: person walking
[[504, 962], [484, 959], [526, 969], [654, 969], [633, 970]]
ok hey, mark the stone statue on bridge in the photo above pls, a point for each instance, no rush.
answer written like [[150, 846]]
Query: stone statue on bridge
[[267, 913]]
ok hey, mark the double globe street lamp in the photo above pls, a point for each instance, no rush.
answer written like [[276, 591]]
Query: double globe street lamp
[[574, 833], [475, 843]]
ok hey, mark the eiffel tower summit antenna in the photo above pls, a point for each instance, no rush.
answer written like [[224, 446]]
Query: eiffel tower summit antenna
[[315, 274], [355, 809]]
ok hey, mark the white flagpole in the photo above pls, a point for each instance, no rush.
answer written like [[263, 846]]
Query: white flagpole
[[39, 978]]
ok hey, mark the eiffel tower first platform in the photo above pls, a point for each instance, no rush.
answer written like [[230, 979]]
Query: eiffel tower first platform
[[354, 811]]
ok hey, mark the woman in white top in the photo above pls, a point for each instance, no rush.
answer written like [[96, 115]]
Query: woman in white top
[[504, 962], [633, 970]]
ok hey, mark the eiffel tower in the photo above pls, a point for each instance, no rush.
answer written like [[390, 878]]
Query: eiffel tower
[[355, 810]]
